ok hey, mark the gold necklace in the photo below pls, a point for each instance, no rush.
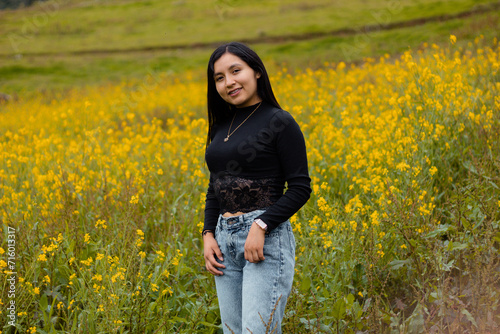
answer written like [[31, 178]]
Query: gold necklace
[[228, 130]]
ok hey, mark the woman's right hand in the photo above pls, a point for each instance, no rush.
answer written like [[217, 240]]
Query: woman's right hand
[[211, 250]]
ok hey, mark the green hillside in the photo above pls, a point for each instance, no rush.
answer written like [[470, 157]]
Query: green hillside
[[61, 43]]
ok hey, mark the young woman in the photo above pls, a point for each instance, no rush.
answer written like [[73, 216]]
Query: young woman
[[253, 148]]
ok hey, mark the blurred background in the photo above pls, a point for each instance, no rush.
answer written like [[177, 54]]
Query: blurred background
[[60, 43]]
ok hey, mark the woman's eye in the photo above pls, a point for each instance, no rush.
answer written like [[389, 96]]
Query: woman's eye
[[218, 78]]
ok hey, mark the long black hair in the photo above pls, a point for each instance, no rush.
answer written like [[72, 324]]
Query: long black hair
[[218, 109]]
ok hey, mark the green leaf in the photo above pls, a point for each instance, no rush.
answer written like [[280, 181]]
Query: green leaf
[[447, 266], [325, 328], [396, 264], [494, 185], [75, 324], [439, 231], [339, 310], [44, 303], [305, 285], [469, 317], [367, 304], [209, 324], [466, 223], [497, 237], [416, 323], [349, 300], [178, 319], [456, 246], [356, 311]]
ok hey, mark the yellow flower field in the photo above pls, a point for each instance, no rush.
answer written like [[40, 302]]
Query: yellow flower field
[[102, 189]]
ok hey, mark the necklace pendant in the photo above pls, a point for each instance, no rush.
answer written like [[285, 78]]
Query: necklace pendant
[[226, 139]]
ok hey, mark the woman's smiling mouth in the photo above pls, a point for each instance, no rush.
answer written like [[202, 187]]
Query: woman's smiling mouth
[[234, 92]]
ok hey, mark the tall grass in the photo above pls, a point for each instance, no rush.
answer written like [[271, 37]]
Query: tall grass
[[105, 188]]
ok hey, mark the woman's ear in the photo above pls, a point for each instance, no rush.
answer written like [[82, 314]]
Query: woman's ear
[[257, 75]]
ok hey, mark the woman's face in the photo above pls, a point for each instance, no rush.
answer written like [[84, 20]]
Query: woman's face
[[236, 82]]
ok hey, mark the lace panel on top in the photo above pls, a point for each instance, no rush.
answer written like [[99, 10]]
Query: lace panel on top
[[245, 195]]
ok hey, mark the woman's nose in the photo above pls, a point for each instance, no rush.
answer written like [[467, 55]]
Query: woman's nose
[[229, 81]]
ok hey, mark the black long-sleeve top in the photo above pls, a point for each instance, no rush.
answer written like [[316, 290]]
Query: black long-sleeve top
[[249, 171]]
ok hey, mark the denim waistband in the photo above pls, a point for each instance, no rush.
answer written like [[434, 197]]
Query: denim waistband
[[236, 222]]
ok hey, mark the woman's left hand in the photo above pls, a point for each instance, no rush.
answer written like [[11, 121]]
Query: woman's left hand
[[254, 245]]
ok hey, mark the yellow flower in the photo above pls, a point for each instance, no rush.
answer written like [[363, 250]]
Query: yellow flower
[[71, 278], [353, 224], [134, 199], [161, 256], [176, 259], [101, 223], [1, 251], [402, 166], [86, 238], [165, 273], [3, 264], [42, 258], [87, 262], [167, 290], [453, 39], [36, 291]]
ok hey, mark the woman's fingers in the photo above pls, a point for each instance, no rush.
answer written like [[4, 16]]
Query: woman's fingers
[[254, 245], [212, 253], [255, 256], [212, 265]]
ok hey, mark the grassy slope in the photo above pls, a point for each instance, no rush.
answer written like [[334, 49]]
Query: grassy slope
[[43, 36]]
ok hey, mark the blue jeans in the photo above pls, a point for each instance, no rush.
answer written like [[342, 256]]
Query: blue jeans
[[252, 296]]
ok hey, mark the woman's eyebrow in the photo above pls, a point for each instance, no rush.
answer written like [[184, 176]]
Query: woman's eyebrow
[[230, 68]]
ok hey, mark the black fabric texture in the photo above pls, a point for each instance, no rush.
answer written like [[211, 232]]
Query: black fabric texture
[[250, 170]]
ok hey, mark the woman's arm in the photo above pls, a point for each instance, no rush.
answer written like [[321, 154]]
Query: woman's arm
[[291, 148], [211, 250], [292, 154]]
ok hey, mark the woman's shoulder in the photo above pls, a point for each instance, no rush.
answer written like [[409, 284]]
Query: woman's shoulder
[[281, 123], [278, 114], [281, 117]]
